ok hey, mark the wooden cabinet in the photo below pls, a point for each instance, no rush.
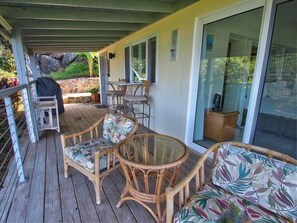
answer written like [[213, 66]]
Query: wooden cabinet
[[220, 126]]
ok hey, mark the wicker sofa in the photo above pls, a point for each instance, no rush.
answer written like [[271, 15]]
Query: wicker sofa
[[247, 184]]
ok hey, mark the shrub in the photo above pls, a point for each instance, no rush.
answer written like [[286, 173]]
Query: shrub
[[6, 60], [6, 82], [74, 70]]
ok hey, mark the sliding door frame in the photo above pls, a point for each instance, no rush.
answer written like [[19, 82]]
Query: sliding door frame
[[260, 67]]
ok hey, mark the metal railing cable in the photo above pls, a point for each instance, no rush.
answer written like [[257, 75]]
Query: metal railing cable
[[13, 132]]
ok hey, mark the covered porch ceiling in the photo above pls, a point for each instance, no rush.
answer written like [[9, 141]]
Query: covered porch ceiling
[[81, 26]]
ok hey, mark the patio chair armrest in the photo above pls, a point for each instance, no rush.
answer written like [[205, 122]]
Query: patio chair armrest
[[183, 187], [77, 137], [110, 159]]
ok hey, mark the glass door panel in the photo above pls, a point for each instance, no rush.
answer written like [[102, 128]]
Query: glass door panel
[[229, 51], [277, 126]]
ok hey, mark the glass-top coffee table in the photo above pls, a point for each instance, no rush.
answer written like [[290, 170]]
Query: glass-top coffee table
[[151, 162]]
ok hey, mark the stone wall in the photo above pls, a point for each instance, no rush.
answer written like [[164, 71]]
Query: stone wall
[[78, 85]]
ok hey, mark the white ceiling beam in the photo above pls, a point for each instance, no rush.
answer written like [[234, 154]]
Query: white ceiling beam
[[130, 5], [5, 24], [73, 15], [70, 25], [64, 50], [53, 48], [28, 45], [66, 47], [60, 39], [74, 42], [5, 34], [73, 33]]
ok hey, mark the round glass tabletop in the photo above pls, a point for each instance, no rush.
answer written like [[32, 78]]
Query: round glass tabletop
[[152, 149]]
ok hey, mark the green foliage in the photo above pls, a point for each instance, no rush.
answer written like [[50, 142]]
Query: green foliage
[[6, 60], [87, 55], [74, 70], [94, 90], [232, 70], [7, 74], [6, 82], [91, 59], [139, 68]]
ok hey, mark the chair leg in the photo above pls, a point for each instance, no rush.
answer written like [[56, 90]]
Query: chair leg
[[97, 191], [149, 114], [66, 170]]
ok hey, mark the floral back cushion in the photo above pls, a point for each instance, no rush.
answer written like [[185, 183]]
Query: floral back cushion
[[117, 127], [264, 181]]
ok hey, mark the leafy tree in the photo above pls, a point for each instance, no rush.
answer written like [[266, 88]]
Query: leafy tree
[[90, 57], [7, 62]]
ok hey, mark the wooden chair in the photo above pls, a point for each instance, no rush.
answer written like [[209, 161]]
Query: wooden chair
[[92, 153]]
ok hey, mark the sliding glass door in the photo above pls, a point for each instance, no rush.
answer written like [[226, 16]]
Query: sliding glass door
[[246, 91], [229, 51], [277, 118]]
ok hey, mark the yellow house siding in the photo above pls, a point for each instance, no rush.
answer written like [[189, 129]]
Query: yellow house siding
[[169, 96]]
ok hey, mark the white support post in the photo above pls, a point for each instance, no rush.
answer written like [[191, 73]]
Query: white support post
[[14, 139], [33, 64], [30, 115], [18, 53], [103, 78], [19, 56]]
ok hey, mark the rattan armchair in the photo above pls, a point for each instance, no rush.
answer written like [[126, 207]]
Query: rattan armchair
[[91, 151]]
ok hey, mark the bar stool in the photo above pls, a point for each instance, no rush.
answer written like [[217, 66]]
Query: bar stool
[[142, 99], [116, 94]]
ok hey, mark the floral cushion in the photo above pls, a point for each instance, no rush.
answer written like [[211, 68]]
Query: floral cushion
[[116, 127], [264, 181], [84, 153], [213, 204]]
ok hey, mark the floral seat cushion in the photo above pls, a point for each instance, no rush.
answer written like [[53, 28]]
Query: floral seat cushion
[[117, 127], [84, 153], [264, 181], [213, 204]]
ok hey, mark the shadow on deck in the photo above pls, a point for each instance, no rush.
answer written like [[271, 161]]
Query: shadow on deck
[[48, 197]]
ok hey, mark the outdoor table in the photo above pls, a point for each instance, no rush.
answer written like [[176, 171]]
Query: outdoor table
[[130, 89], [128, 85], [151, 162]]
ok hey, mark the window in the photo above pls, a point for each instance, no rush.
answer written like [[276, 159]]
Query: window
[[151, 67], [127, 64], [140, 61]]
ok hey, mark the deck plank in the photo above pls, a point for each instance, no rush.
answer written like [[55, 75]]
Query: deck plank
[[84, 200], [35, 211], [7, 192], [104, 215], [140, 213], [20, 201], [123, 213], [10, 184], [52, 191], [70, 211]]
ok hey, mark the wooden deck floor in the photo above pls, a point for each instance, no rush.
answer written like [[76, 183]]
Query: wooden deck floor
[[48, 197]]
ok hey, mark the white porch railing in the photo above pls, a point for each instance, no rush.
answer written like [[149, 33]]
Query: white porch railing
[[17, 123]]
